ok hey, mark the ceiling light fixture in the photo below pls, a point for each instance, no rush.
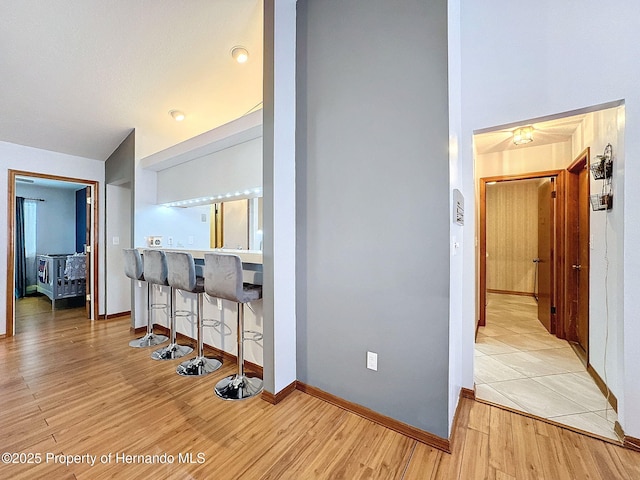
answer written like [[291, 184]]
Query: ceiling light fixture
[[177, 115], [240, 54], [523, 135]]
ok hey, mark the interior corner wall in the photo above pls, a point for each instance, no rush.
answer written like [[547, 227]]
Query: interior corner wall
[[119, 180], [562, 72], [118, 235], [373, 205]]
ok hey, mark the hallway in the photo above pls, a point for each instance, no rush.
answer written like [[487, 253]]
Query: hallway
[[520, 365]]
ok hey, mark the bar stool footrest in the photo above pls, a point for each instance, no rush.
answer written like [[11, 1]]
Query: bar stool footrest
[[252, 335], [149, 340], [236, 387]]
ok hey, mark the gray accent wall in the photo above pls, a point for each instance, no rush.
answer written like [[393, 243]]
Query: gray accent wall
[[119, 167], [372, 181]]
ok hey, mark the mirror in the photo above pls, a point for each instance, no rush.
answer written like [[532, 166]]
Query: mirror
[[237, 224]]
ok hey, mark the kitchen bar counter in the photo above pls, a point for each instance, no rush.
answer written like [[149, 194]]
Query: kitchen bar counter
[[247, 256], [251, 259], [225, 311]]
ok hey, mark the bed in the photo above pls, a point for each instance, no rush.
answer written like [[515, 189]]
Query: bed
[[62, 276]]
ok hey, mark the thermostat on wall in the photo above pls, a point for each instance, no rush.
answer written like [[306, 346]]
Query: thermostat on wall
[[154, 241], [458, 207]]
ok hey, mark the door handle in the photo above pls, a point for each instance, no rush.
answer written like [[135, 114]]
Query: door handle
[[576, 267]]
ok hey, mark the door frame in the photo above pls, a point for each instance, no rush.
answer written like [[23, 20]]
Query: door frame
[[581, 162], [559, 258], [11, 226]]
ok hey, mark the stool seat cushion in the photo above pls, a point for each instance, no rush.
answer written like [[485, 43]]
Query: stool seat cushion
[[223, 279], [199, 286], [251, 292]]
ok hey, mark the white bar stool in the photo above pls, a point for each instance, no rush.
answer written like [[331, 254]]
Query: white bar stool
[[182, 276], [133, 269], [155, 268], [223, 279]]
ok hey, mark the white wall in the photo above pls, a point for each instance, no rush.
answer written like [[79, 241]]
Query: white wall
[[279, 172], [606, 227], [154, 219], [184, 226], [18, 157], [234, 169], [118, 235], [574, 58], [56, 218]]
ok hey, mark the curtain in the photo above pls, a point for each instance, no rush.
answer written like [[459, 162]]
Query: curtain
[[30, 224], [21, 258], [25, 251]]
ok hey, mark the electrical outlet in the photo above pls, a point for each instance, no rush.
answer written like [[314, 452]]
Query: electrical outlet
[[169, 240], [372, 361], [191, 240]]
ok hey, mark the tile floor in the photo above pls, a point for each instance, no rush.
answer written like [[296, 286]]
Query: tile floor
[[520, 365]]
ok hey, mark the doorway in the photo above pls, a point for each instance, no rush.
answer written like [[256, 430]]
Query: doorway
[[583, 349], [91, 226], [526, 232], [521, 362]]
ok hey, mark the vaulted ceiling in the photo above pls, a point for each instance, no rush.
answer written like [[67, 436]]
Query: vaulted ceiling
[[77, 76]]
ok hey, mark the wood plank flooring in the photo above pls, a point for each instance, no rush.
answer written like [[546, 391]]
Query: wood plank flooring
[[72, 387]]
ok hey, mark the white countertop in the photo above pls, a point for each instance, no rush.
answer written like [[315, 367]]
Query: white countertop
[[247, 256]]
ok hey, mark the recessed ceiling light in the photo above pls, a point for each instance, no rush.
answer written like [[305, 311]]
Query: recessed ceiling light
[[240, 54], [177, 115]]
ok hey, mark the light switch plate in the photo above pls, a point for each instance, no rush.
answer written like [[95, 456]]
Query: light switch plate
[[372, 361]]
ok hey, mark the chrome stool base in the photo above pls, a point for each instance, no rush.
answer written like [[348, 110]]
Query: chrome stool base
[[198, 366], [149, 340], [171, 351], [236, 387]]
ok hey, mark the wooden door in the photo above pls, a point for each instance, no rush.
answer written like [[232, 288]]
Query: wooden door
[[581, 266], [546, 208], [577, 255], [89, 252]]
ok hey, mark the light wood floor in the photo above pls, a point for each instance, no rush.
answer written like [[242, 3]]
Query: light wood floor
[[73, 387]]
